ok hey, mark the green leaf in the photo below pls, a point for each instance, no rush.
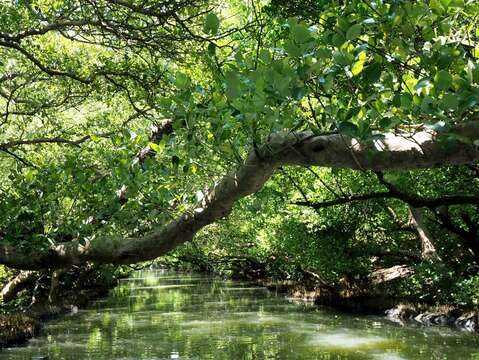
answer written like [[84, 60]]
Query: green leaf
[[182, 80], [348, 128], [352, 112], [341, 58], [154, 147], [353, 32], [300, 34], [389, 122], [442, 80], [457, 3], [338, 40], [292, 49], [323, 53], [406, 101], [358, 66], [427, 105], [299, 92], [265, 56], [475, 74], [407, 29], [329, 82], [449, 102], [372, 73], [444, 60], [212, 24], [437, 6], [470, 102], [30, 175], [232, 85]]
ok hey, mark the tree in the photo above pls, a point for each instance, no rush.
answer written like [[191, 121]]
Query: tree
[[379, 91]]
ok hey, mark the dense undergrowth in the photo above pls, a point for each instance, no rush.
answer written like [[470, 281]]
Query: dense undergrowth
[[338, 247]]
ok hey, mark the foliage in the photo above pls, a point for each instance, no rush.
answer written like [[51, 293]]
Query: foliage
[[467, 291], [85, 85]]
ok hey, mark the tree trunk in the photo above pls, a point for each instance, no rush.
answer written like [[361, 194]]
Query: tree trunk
[[428, 250], [403, 151], [54, 283]]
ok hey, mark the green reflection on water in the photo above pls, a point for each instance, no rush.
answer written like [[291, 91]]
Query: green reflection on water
[[156, 315]]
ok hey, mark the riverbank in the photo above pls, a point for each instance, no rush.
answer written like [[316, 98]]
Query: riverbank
[[372, 296], [159, 314], [16, 329], [464, 318], [19, 327], [73, 290]]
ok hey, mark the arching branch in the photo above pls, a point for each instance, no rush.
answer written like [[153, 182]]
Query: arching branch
[[418, 150], [17, 284], [413, 200]]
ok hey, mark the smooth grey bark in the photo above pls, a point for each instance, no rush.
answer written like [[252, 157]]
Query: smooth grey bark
[[396, 151]]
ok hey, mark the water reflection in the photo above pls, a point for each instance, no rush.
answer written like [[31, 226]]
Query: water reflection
[[154, 315]]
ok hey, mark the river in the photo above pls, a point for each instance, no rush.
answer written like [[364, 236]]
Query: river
[[164, 315]]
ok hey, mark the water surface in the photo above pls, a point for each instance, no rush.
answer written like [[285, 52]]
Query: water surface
[[158, 315]]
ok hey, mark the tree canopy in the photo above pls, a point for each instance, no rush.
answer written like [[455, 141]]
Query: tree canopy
[[128, 126]]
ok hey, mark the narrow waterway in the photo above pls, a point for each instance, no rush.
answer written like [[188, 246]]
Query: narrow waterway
[[157, 315]]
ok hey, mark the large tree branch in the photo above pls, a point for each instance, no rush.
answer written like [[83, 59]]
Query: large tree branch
[[413, 200], [345, 200], [418, 150], [17, 284]]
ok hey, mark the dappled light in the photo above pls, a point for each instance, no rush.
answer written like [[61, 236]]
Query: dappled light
[[199, 317], [320, 151]]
